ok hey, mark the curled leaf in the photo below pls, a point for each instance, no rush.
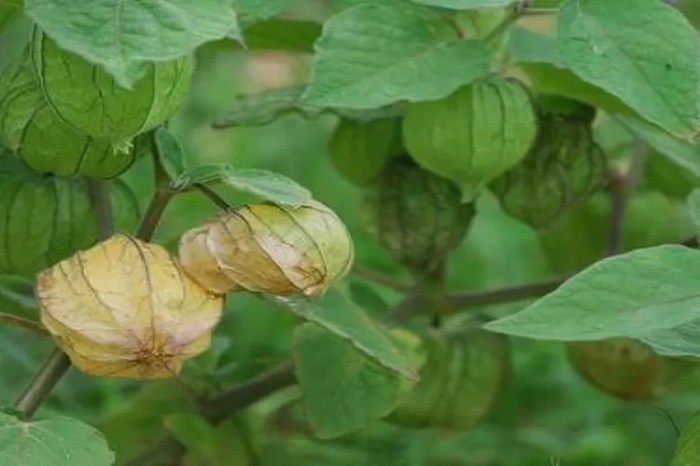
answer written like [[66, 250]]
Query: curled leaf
[[125, 308]]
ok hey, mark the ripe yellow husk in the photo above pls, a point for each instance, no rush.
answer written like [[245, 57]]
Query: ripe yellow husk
[[271, 249], [125, 308]]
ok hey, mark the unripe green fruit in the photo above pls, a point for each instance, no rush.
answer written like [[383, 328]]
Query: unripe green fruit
[[460, 381], [473, 135], [564, 166], [45, 219], [87, 98], [31, 128], [416, 215], [626, 368], [360, 149]]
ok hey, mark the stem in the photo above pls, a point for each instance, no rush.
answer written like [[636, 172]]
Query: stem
[[26, 324], [380, 278], [44, 381], [213, 196], [458, 301], [102, 206], [505, 24], [160, 200], [243, 395]]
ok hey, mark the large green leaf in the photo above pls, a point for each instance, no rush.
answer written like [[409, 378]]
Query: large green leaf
[[373, 55], [688, 450], [343, 389], [58, 441], [466, 4], [255, 10], [282, 34], [539, 57], [694, 207], [642, 51], [649, 294], [338, 314], [123, 35]]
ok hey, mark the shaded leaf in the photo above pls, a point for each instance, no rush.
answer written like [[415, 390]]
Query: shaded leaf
[[282, 34], [123, 35], [642, 51], [194, 432], [336, 313], [58, 441], [373, 55], [343, 389], [681, 152], [622, 296]]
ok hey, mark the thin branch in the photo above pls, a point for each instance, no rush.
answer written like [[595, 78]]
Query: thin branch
[[160, 200], [26, 324], [44, 381], [381, 278], [457, 301], [213, 196], [506, 23], [243, 395]]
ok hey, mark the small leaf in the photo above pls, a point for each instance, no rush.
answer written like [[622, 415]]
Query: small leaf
[[194, 432], [58, 441], [648, 294], [683, 153], [170, 153], [466, 4], [688, 449], [373, 55], [343, 389], [643, 51], [268, 185], [123, 35], [694, 207], [336, 313]]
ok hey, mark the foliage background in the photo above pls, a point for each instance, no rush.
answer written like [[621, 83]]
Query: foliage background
[[548, 414]]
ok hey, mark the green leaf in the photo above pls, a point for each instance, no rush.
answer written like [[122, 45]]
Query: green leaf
[[688, 449], [343, 389], [466, 4], [282, 34], [539, 57], [170, 153], [255, 10], [336, 313], [681, 152], [694, 207], [10, 10], [58, 441], [264, 107], [649, 294], [374, 55], [194, 432], [642, 51], [139, 425], [268, 185], [123, 35]]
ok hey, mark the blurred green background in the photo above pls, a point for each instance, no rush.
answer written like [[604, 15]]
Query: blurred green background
[[548, 414]]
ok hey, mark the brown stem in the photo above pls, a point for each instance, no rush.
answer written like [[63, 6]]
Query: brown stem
[[44, 381], [160, 200], [381, 278], [457, 301], [213, 196], [102, 206], [26, 324]]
